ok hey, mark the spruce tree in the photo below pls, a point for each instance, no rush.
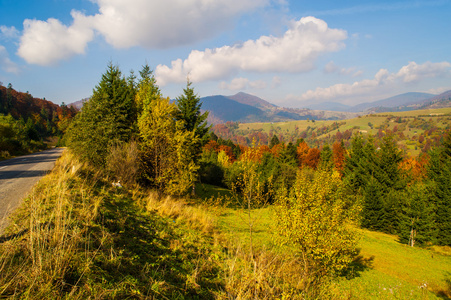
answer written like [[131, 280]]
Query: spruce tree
[[439, 174], [417, 225], [326, 159], [274, 141], [189, 106], [106, 119]]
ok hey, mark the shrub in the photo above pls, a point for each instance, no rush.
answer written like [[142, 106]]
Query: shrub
[[123, 163]]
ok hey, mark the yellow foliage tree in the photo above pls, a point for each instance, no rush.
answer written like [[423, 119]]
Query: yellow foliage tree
[[165, 146], [316, 219]]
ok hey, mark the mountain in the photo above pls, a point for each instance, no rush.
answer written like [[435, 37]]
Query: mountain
[[244, 108], [393, 102], [331, 106], [222, 109], [252, 101], [78, 104], [439, 101]]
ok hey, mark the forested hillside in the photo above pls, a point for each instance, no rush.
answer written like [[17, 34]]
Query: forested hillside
[[414, 131], [27, 122]]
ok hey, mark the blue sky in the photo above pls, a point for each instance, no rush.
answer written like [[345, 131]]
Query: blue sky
[[288, 52]]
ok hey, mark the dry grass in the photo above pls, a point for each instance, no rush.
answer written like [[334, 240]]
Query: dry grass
[[40, 244]]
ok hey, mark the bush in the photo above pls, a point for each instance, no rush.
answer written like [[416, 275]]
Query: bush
[[123, 163]]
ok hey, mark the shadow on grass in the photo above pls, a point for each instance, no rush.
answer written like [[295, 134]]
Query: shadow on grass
[[358, 265], [446, 293], [138, 256]]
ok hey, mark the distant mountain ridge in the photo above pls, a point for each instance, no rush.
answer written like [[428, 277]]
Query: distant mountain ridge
[[243, 107], [406, 101], [252, 100], [395, 101]]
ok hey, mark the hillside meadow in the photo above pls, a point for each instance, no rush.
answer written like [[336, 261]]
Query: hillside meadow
[[76, 237], [408, 127]]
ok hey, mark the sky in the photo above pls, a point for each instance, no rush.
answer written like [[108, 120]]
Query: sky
[[291, 53]]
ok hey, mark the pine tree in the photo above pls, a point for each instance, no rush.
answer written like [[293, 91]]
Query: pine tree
[[106, 119], [189, 106], [417, 225], [274, 141], [439, 175], [326, 159]]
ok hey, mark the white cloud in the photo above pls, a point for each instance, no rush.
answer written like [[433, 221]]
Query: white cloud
[[124, 24], [331, 67], [5, 63], [383, 80], [162, 24], [46, 42], [240, 84], [295, 51], [438, 90], [8, 32], [414, 72]]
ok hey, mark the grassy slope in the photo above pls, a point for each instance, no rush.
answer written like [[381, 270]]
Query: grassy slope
[[385, 268], [78, 237]]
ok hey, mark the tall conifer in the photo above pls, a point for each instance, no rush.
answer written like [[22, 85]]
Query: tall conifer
[[106, 119]]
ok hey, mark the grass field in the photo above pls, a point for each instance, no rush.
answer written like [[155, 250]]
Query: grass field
[[385, 269]]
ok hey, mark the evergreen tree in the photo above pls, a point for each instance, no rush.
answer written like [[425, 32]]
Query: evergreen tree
[[106, 119], [189, 106], [373, 207], [274, 141], [326, 159], [417, 225], [439, 174]]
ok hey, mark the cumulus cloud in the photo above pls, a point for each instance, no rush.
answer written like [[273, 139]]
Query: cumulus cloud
[[295, 51], [46, 42], [168, 23], [439, 90], [5, 63], [383, 79], [331, 67], [8, 32], [124, 24], [240, 84]]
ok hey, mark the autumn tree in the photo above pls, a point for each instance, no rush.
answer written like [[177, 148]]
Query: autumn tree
[[315, 218], [164, 143]]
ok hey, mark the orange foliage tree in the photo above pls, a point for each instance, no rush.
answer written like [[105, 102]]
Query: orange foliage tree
[[338, 152]]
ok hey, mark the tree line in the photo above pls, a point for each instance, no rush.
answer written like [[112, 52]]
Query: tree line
[[25, 121], [128, 122]]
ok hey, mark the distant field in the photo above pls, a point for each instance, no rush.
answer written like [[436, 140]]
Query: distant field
[[408, 127]]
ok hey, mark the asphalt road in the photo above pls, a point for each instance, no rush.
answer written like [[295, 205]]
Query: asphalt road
[[19, 175]]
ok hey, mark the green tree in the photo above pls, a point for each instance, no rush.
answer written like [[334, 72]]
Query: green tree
[[417, 226], [105, 120], [274, 141], [326, 159], [189, 112], [439, 175]]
